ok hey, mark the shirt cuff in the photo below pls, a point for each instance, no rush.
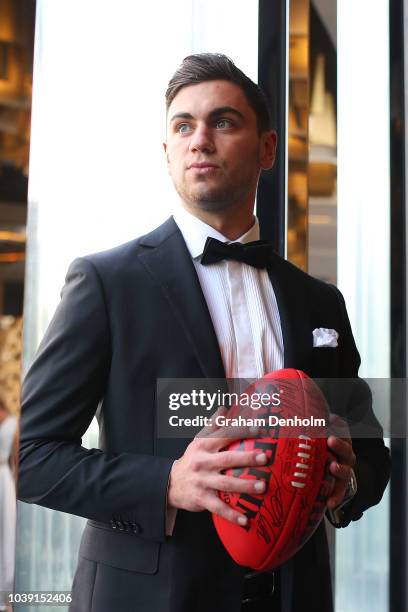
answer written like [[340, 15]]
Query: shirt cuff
[[171, 512]]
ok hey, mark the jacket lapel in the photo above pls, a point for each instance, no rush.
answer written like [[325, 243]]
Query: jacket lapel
[[168, 260], [293, 307]]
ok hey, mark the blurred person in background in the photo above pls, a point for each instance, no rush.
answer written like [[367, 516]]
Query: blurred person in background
[[8, 476]]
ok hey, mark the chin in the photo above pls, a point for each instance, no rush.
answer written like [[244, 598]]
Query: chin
[[207, 199], [211, 205], [211, 199]]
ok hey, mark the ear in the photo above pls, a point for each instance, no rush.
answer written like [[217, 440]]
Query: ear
[[167, 156], [268, 149]]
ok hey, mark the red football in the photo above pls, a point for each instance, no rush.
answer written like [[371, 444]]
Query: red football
[[294, 437]]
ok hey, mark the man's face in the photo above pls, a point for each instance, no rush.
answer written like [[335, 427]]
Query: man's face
[[214, 152]]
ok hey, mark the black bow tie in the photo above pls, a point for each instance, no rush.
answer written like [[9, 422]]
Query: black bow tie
[[257, 254]]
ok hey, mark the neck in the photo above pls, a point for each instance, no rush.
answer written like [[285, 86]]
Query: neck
[[232, 225]]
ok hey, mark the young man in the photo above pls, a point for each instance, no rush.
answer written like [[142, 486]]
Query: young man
[[158, 307]]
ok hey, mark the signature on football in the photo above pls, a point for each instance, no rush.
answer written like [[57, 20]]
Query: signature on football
[[270, 516]]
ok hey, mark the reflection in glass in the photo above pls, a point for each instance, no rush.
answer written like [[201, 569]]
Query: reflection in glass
[[322, 197], [298, 117], [312, 139]]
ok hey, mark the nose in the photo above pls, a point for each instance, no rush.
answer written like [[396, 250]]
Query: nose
[[202, 140]]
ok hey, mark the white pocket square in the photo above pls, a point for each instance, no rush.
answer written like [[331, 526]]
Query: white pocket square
[[322, 336]]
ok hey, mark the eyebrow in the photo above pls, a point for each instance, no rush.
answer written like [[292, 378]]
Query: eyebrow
[[216, 112]]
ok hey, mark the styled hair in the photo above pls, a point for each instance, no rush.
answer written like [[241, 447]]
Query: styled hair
[[202, 67]]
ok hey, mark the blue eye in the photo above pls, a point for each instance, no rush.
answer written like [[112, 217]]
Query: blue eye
[[183, 128], [223, 123]]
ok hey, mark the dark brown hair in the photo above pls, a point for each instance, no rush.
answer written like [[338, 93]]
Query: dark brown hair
[[216, 66]]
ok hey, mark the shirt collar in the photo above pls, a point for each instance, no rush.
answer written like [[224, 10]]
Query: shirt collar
[[195, 232]]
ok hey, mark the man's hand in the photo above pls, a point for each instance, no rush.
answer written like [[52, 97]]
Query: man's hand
[[344, 460], [195, 478]]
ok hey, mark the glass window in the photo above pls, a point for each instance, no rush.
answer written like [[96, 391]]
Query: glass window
[[97, 171], [338, 218]]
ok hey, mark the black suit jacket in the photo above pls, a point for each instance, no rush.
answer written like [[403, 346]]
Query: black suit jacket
[[127, 317]]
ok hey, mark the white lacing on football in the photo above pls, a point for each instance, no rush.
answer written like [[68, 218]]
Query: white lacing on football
[[304, 465]]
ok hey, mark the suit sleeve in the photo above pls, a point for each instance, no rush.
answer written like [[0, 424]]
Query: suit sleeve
[[354, 403], [60, 395]]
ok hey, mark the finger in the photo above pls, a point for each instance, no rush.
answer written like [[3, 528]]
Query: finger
[[340, 471], [206, 431], [339, 427], [228, 459], [342, 449], [214, 504], [343, 435], [230, 484], [225, 435]]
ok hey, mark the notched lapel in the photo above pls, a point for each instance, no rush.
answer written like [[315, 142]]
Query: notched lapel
[[167, 259]]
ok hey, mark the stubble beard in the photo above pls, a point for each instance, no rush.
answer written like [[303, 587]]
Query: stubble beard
[[213, 199]]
